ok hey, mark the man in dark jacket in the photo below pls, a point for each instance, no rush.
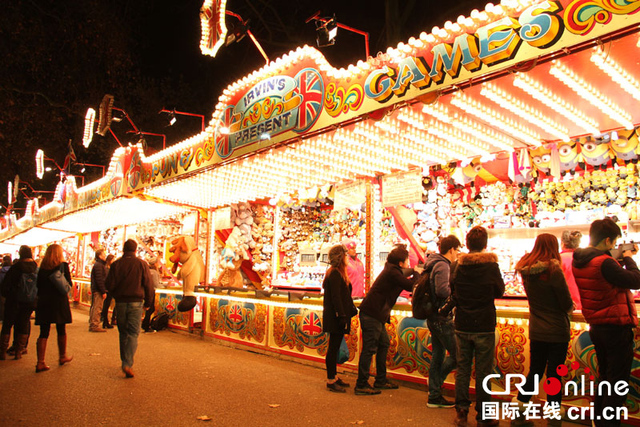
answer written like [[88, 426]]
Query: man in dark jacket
[[98, 290], [375, 311], [608, 307], [443, 337], [129, 282], [476, 281]]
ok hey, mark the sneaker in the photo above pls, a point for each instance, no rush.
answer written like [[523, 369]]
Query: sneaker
[[97, 330], [342, 383], [366, 390], [440, 402], [387, 385], [334, 387]]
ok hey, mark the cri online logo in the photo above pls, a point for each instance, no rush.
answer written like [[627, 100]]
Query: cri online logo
[[553, 386]]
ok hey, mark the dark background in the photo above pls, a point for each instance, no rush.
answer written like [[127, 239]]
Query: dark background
[[61, 57]]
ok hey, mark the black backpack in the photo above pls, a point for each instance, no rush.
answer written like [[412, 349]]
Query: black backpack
[[159, 321], [422, 302], [27, 291]]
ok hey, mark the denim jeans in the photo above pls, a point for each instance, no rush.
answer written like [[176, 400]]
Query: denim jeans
[[614, 350], [482, 346], [545, 355], [374, 341], [129, 319], [443, 339]]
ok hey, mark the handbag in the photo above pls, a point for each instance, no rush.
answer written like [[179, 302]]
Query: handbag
[[343, 352], [60, 282]]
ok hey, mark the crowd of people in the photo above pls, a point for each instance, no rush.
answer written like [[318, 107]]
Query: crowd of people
[[463, 290], [44, 287], [557, 279]]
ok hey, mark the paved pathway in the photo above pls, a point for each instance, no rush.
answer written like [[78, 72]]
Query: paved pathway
[[180, 378]]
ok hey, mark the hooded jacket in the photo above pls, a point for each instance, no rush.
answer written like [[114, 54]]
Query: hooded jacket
[[476, 282], [439, 269], [550, 301], [604, 287], [385, 292]]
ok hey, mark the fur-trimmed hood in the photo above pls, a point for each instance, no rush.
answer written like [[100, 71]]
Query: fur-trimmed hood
[[539, 267], [477, 258]]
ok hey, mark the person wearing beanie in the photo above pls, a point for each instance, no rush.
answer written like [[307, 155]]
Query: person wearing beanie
[[337, 311], [129, 281]]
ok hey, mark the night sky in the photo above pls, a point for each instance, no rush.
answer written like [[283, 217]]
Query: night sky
[[62, 57]]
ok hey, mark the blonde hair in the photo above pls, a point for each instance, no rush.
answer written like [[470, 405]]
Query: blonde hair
[[53, 257]]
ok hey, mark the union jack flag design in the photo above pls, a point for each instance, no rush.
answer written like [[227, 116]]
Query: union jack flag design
[[235, 313], [310, 87], [312, 324], [223, 146]]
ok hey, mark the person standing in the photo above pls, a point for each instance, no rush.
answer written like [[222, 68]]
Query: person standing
[[155, 281], [355, 269], [107, 301], [550, 305], [6, 265], [18, 312], [130, 283], [375, 312], [98, 290], [476, 282], [52, 306], [443, 337], [337, 311], [570, 242], [609, 308]]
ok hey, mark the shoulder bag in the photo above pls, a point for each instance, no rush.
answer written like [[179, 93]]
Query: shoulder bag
[[60, 282]]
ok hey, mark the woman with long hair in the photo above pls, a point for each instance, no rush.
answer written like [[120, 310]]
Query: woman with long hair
[[53, 306], [550, 305], [338, 309]]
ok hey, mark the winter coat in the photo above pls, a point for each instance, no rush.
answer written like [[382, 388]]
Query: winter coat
[[129, 280], [385, 291], [550, 301], [12, 278], [337, 305], [98, 277], [52, 306], [439, 275], [476, 282], [604, 287], [567, 260]]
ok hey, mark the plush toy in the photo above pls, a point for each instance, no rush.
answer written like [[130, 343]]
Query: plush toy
[[186, 253], [626, 146], [569, 156], [234, 252], [596, 151]]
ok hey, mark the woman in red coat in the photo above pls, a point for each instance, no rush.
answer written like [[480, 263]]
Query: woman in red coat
[[338, 309]]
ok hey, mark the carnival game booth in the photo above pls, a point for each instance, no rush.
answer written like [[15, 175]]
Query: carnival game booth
[[506, 118], [524, 100]]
